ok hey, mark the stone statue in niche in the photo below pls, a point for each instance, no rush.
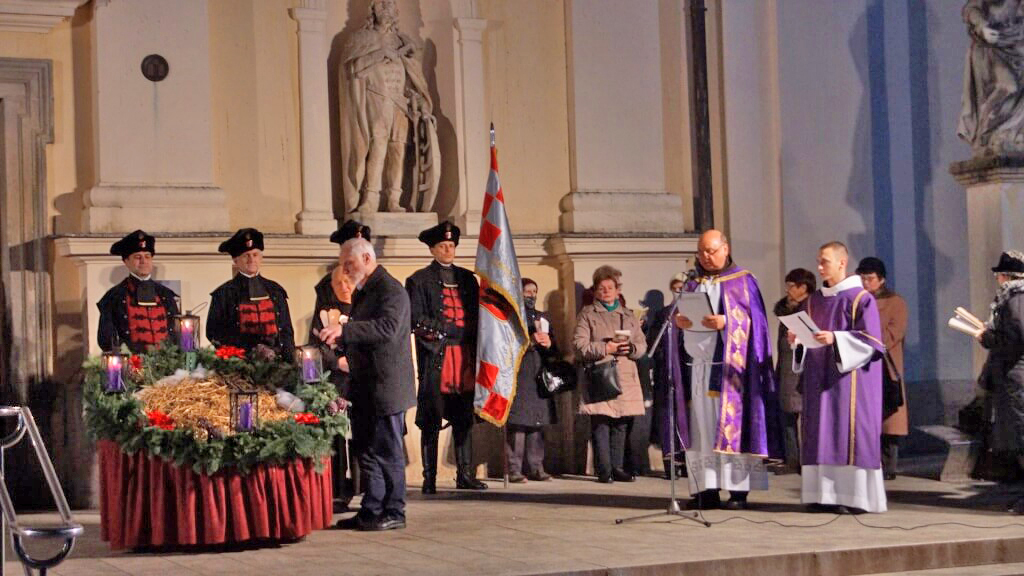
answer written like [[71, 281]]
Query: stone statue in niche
[[384, 102], [992, 117]]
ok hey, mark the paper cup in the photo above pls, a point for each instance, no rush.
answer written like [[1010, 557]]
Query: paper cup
[[622, 335]]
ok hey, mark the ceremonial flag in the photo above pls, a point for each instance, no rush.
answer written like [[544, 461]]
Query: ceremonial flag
[[502, 336]]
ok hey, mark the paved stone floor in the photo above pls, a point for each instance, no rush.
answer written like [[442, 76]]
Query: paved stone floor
[[568, 526]]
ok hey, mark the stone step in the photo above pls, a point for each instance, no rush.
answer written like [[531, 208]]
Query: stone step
[[1015, 569]]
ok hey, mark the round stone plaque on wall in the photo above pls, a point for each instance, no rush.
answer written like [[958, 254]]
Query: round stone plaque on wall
[[155, 67]]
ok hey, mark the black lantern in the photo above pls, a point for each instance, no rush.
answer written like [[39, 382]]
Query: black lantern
[[113, 371], [187, 326], [309, 362], [245, 409]]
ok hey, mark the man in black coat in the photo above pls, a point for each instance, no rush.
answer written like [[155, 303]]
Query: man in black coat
[[249, 309], [137, 311], [376, 343], [445, 306]]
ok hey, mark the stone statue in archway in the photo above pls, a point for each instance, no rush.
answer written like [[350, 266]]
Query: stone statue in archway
[[384, 101], [992, 117]]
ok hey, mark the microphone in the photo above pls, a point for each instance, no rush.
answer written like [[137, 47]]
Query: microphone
[[691, 274]]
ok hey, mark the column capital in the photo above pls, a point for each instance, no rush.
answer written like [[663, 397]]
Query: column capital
[[470, 29], [312, 19]]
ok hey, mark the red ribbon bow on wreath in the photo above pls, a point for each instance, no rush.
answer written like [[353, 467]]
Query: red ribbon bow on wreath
[[160, 420], [230, 352], [307, 418]]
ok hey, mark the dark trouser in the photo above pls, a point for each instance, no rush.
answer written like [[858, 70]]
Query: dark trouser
[[608, 437], [791, 435], [890, 453], [458, 410], [378, 444], [524, 443], [638, 437]]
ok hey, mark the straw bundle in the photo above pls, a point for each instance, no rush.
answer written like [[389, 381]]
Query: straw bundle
[[203, 405]]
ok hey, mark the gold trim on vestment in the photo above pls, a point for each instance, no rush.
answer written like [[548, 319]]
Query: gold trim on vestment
[[853, 384]]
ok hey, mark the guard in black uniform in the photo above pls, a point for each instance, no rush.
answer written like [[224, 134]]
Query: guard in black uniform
[[138, 311], [249, 309], [445, 306]]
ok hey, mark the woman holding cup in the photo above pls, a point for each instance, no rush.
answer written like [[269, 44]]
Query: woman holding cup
[[607, 331], [530, 410]]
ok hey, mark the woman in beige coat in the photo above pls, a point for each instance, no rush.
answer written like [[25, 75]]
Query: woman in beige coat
[[892, 312], [595, 342]]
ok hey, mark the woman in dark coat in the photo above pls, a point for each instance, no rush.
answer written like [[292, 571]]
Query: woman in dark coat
[[1003, 374], [530, 411], [334, 302]]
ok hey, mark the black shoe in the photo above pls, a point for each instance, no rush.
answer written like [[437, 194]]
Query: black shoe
[[517, 478], [466, 482], [540, 476], [429, 486], [736, 501], [341, 505], [816, 508], [386, 522], [605, 478], [889, 476], [356, 522], [621, 475], [706, 500], [849, 510]]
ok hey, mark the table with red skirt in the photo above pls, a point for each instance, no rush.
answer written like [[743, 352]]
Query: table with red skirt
[[146, 501]]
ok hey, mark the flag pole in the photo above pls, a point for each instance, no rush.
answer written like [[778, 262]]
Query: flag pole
[[504, 429]]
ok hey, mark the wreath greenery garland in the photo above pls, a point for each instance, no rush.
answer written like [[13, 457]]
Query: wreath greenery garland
[[119, 416]]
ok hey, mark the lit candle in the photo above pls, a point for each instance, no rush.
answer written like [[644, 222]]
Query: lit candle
[[114, 381], [245, 417], [187, 336], [310, 368]]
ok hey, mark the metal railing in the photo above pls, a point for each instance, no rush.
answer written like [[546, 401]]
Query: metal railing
[[67, 530]]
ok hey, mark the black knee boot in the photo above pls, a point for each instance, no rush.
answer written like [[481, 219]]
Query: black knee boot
[[428, 447], [465, 477]]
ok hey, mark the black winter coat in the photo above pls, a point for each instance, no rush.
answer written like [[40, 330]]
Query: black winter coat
[[376, 341], [222, 323], [529, 408], [425, 295], [113, 329], [1003, 373]]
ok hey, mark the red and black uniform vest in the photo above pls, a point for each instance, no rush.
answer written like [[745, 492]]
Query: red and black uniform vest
[[139, 325]]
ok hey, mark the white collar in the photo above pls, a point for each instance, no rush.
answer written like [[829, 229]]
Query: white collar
[[442, 264], [850, 282], [140, 278], [248, 276]]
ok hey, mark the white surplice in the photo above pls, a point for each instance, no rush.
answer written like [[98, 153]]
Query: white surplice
[[707, 469]]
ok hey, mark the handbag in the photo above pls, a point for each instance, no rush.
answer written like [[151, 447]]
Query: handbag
[[602, 381], [892, 388], [556, 376]]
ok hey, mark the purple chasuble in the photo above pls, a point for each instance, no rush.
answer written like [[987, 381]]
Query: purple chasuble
[[842, 415], [749, 422]]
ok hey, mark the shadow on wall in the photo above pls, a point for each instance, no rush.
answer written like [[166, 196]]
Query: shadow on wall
[[870, 190], [411, 23]]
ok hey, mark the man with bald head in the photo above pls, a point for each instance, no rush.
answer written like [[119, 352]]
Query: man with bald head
[[842, 392], [724, 381]]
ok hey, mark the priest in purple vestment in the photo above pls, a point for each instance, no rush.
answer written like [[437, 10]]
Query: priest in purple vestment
[[726, 399], [841, 375]]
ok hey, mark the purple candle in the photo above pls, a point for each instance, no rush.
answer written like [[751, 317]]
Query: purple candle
[[310, 368], [114, 381], [245, 417], [187, 337]]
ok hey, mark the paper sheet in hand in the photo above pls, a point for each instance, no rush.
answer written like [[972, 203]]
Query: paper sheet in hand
[[695, 306], [803, 327]]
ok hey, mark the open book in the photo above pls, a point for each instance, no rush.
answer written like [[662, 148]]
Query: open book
[[964, 321]]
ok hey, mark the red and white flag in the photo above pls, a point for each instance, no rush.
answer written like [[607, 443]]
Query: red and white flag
[[502, 337]]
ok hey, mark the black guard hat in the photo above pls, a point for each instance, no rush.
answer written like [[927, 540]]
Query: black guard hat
[[137, 241], [349, 230], [440, 233], [244, 240]]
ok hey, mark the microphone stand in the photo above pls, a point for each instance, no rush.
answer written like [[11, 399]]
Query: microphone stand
[[673, 503]]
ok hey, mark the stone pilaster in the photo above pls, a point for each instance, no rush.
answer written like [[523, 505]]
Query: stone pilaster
[[472, 126], [316, 216]]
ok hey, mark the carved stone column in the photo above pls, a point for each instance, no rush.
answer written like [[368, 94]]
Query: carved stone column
[[472, 126], [316, 216]]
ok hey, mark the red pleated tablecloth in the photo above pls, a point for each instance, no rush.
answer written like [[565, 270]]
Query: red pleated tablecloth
[[148, 502]]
